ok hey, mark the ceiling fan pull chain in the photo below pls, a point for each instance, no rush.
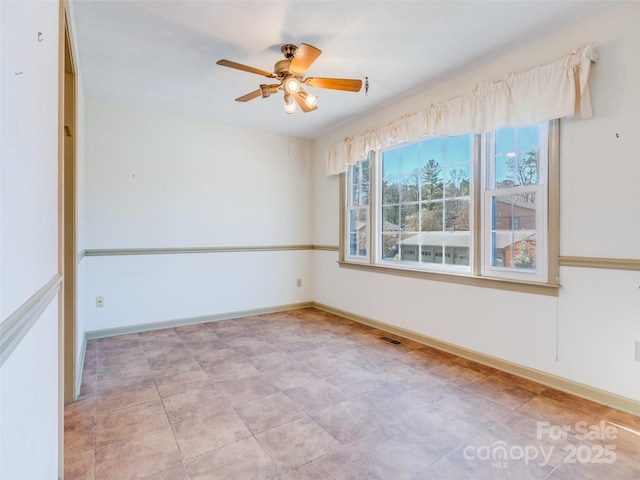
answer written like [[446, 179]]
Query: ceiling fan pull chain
[[290, 137], [366, 86]]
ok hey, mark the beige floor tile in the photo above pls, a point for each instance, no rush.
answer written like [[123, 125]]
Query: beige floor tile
[[563, 409], [493, 388], [177, 472], [269, 411], [196, 379], [195, 404], [473, 408], [83, 407], [142, 391], [307, 394], [290, 376], [232, 371], [316, 395], [138, 455], [246, 389], [348, 421], [244, 459], [295, 443], [79, 435], [126, 422], [393, 452], [200, 435], [444, 430], [79, 466], [340, 465], [210, 357]]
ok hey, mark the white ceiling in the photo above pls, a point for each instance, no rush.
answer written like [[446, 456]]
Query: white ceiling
[[162, 54]]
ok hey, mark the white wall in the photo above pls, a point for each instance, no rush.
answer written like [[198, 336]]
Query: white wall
[[29, 232], [593, 324], [159, 180]]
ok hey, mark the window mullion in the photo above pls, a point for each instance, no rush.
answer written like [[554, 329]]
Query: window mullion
[[375, 208], [478, 173]]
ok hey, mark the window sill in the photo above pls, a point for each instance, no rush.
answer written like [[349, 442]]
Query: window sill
[[461, 279]]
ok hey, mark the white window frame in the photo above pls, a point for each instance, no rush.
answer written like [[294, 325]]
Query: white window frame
[[544, 281], [489, 191], [350, 207], [376, 178]]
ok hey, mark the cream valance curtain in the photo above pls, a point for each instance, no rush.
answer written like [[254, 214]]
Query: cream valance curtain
[[556, 90]]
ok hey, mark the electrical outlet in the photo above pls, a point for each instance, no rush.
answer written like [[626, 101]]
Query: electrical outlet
[[637, 350], [299, 282], [99, 301]]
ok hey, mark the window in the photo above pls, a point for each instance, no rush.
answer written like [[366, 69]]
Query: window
[[515, 203], [469, 205], [358, 211], [425, 202]]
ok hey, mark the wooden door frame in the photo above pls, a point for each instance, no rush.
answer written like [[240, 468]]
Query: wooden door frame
[[67, 263]]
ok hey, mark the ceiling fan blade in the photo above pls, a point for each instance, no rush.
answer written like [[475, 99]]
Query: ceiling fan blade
[[303, 105], [304, 57], [249, 96], [245, 68], [348, 85]]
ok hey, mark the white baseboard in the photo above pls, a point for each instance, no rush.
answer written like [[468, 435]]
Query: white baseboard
[[587, 392], [181, 322]]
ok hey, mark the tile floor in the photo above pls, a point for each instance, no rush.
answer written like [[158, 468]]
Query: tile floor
[[305, 394]]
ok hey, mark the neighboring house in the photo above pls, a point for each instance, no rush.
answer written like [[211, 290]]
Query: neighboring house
[[515, 215], [428, 247]]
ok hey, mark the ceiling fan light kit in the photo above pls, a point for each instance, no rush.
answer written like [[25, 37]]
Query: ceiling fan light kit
[[289, 104], [290, 73]]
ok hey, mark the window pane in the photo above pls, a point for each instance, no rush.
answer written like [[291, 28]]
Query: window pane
[[357, 210], [504, 171], [410, 248], [528, 139], [515, 250], [458, 149], [409, 218], [431, 213], [357, 220], [460, 256], [391, 164], [501, 243], [432, 151], [505, 141], [353, 244], [524, 251], [410, 159], [390, 246], [513, 243], [431, 181], [390, 219], [390, 192], [457, 181], [527, 168], [456, 215], [358, 232], [355, 194], [358, 178], [413, 208], [516, 157], [410, 192], [514, 212]]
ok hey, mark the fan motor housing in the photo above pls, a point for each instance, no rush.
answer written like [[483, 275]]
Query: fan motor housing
[[281, 67], [288, 51]]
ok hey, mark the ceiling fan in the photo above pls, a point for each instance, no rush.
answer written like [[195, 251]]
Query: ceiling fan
[[290, 75]]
